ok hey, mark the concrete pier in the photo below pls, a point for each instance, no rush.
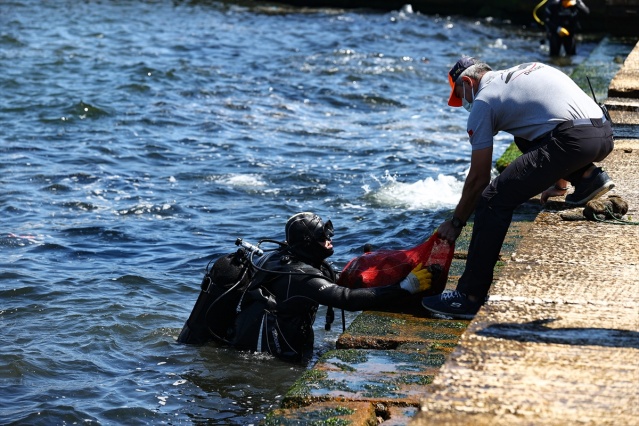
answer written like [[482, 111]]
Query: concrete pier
[[556, 344]]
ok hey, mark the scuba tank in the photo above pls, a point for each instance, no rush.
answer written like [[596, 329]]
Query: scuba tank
[[221, 291]]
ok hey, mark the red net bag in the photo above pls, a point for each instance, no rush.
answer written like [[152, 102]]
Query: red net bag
[[386, 267]]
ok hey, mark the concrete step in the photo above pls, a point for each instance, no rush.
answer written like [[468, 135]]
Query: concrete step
[[623, 111], [624, 84]]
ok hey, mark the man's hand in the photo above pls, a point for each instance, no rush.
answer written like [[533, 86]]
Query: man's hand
[[553, 191], [448, 232], [418, 280]]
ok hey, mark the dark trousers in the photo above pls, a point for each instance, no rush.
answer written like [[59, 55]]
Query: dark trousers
[[565, 153]]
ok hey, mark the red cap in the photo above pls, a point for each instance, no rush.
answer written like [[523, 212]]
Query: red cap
[[464, 63]]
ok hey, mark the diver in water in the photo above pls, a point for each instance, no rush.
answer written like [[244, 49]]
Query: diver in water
[[562, 23], [278, 311]]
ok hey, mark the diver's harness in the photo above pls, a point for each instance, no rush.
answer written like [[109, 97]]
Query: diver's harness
[[246, 253]]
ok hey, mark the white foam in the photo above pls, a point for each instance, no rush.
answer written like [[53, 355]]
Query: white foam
[[241, 180], [429, 193]]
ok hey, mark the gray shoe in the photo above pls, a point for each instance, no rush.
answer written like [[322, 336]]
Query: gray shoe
[[596, 185]]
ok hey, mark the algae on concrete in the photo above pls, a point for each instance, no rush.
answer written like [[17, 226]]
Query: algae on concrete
[[381, 376], [323, 414], [377, 325], [352, 356]]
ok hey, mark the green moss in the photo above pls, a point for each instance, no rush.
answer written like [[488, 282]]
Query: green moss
[[457, 325], [511, 153], [375, 325], [445, 346], [418, 364], [350, 356], [380, 390], [599, 81], [414, 379], [411, 360], [344, 367], [300, 392], [429, 335], [323, 417], [343, 411], [300, 389]]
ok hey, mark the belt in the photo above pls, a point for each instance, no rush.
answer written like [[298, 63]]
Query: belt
[[578, 122], [525, 145]]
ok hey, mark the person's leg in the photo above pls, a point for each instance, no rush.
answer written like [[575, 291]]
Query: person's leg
[[489, 231], [569, 153], [555, 44], [590, 181], [596, 142], [524, 178], [493, 215], [570, 45], [527, 176]]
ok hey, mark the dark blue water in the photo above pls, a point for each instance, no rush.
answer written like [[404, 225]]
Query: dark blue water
[[140, 139]]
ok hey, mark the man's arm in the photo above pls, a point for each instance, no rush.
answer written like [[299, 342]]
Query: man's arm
[[478, 178]]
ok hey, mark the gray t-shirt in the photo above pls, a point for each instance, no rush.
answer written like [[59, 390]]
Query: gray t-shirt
[[527, 101]]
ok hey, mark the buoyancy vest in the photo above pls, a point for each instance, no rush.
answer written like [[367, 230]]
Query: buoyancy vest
[[275, 315]]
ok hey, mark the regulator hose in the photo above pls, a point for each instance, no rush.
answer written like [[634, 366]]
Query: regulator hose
[[534, 13]]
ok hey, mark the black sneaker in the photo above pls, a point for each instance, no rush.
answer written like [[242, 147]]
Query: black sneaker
[[592, 187], [451, 304]]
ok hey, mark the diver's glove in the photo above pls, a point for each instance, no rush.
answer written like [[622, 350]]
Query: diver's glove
[[418, 280], [562, 32]]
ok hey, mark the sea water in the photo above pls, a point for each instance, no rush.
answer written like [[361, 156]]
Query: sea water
[[139, 139]]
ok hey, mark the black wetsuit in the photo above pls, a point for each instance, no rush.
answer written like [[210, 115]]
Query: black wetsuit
[[278, 312], [566, 17]]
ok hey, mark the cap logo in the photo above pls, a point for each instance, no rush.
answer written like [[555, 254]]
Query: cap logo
[[462, 65]]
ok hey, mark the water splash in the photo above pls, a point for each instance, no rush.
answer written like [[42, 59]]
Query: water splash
[[240, 180], [429, 193]]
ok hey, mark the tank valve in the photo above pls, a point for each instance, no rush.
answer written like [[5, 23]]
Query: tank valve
[[250, 247]]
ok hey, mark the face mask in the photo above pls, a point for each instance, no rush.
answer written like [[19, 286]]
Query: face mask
[[467, 105]]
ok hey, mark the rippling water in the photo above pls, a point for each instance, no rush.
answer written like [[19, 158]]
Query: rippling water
[[140, 139]]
